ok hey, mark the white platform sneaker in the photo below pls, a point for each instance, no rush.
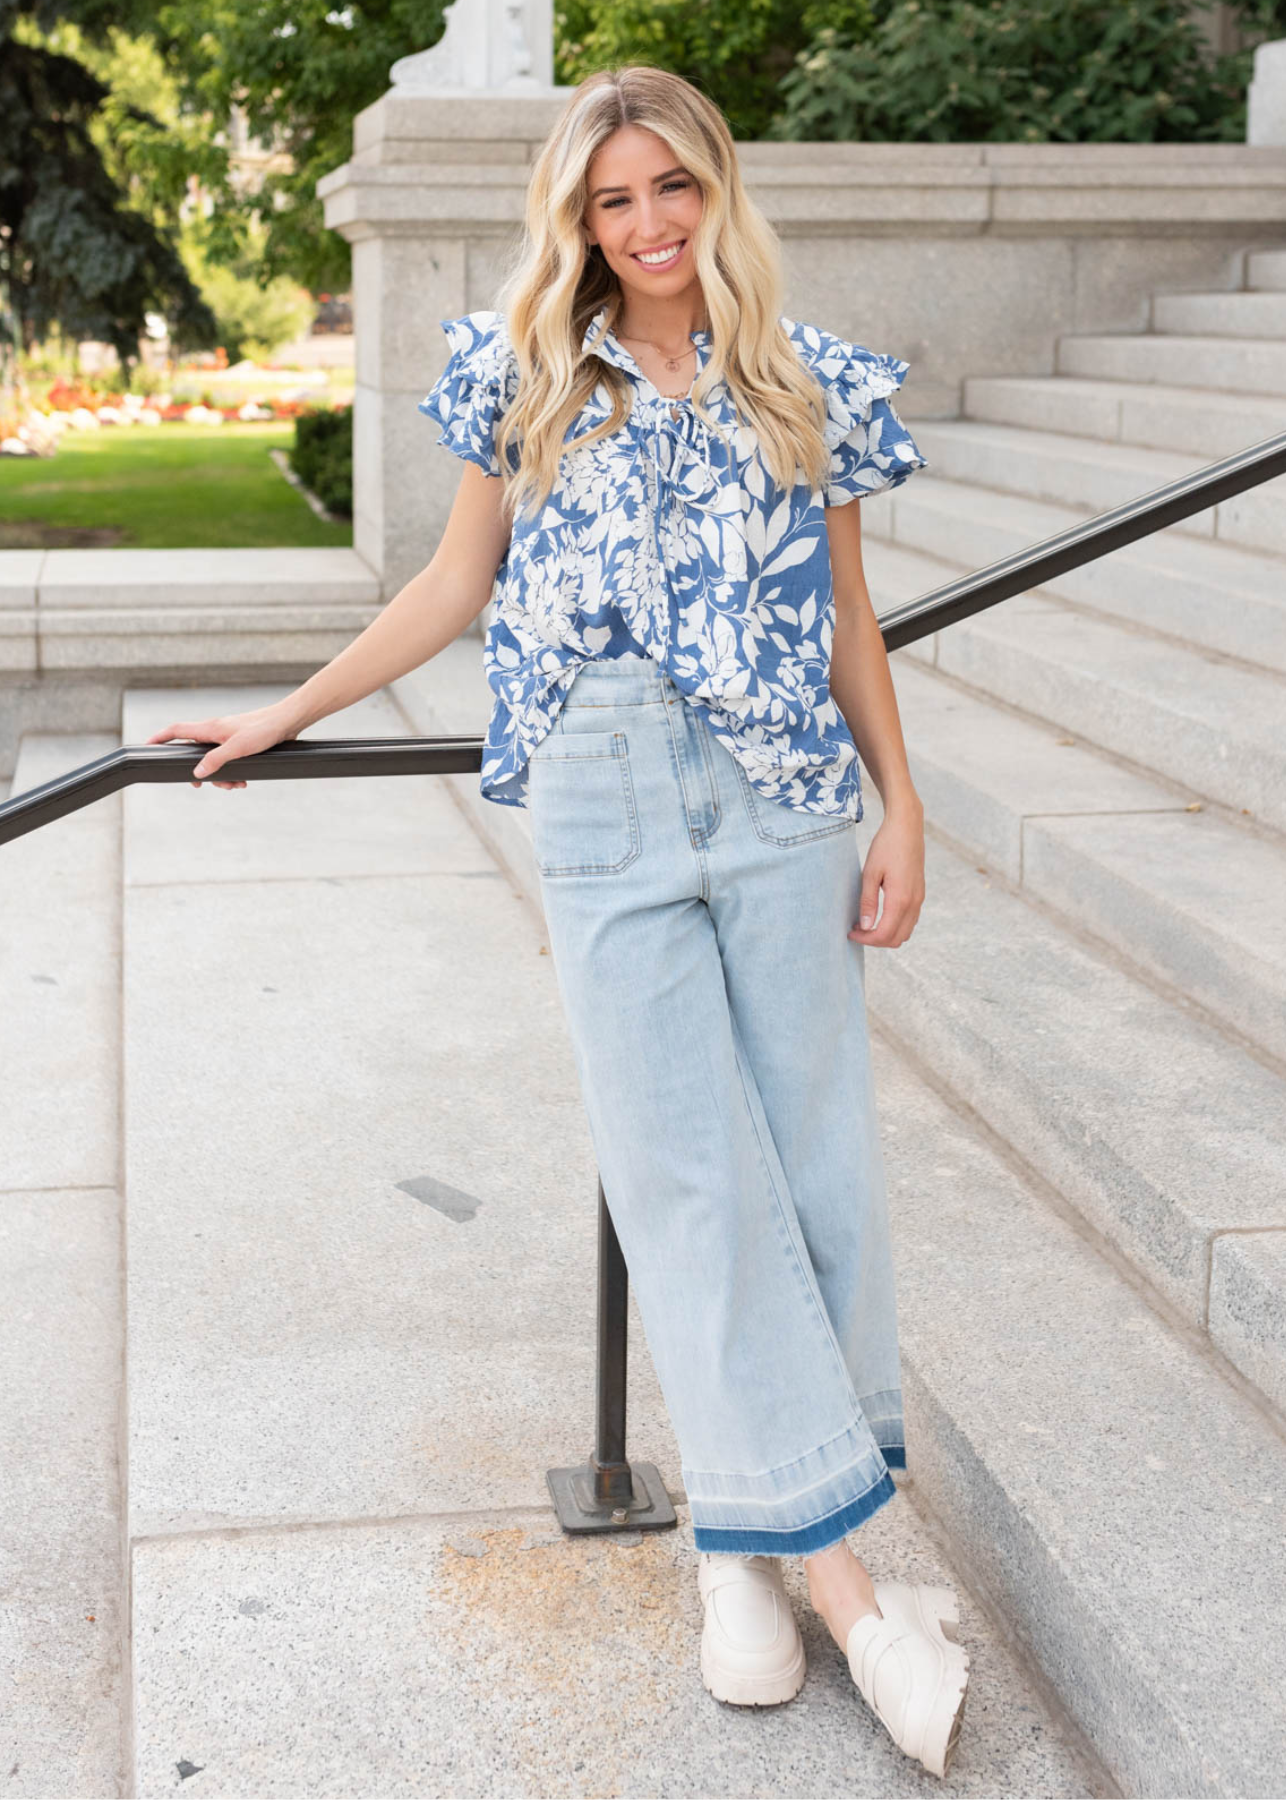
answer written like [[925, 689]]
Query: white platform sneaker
[[751, 1650], [912, 1670]]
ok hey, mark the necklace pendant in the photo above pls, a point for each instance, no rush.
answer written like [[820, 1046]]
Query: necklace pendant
[[672, 362]]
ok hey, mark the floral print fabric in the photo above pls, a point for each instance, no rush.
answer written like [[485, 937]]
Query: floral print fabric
[[666, 540]]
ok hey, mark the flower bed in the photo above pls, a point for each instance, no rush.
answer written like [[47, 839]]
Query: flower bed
[[78, 406]]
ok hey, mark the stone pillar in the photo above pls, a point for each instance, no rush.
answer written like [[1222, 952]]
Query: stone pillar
[[486, 45], [432, 203], [1266, 96]]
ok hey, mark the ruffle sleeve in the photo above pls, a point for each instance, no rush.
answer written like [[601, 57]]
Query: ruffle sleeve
[[475, 389], [870, 447]]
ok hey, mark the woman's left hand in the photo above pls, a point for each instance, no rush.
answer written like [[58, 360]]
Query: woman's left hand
[[894, 863]]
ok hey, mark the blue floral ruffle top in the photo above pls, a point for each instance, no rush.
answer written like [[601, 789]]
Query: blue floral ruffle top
[[662, 540]]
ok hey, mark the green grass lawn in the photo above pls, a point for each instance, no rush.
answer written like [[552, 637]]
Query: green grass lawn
[[160, 487]]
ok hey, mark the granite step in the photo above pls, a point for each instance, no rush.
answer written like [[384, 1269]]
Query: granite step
[[1096, 1476], [1189, 895], [65, 1622], [1242, 365], [1092, 477], [1162, 1133], [1266, 270], [1207, 725], [1203, 423], [1238, 315], [1209, 597], [60, 951]]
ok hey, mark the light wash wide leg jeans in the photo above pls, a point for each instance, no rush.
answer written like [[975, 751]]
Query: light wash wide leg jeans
[[717, 1013]]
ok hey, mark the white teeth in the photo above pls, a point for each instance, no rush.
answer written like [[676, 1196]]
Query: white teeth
[[658, 256]]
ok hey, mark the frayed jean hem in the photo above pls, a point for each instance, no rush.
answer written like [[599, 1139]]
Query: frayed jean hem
[[804, 1540]]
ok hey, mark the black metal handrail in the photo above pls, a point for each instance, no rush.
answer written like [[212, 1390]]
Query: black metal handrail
[[323, 758], [607, 1493]]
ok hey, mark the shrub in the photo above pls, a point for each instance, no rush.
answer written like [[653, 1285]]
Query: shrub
[[1018, 71], [255, 314], [735, 53], [322, 456], [148, 381]]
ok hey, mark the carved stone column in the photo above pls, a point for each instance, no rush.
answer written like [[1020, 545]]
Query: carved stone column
[[1266, 95], [432, 202]]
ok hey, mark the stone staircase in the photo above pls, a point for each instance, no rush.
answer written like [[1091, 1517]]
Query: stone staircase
[[299, 1206], [300, 1211], [1098, 987]]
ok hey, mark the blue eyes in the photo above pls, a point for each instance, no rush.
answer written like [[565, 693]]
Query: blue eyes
[[664, 185]]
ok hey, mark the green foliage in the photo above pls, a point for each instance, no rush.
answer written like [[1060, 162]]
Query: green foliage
[[736, 51], [1262, 18], [322, 456], [74, 253], [300, 70], [1012, 71], [150, 146], [148, 382], [254, 316]]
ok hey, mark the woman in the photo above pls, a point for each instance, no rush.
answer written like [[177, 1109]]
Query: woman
[[661, 487]]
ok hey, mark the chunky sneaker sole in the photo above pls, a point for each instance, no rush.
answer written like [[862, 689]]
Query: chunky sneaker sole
[[912, 1670], [751, 1650]]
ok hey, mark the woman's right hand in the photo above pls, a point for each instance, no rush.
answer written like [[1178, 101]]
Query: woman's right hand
[[233, 735]]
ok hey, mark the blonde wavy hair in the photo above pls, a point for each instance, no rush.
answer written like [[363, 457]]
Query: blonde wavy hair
[[555, 287]]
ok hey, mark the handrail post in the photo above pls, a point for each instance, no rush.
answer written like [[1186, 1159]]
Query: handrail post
[[608, 1493]]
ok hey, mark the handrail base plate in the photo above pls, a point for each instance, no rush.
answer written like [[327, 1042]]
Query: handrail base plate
[[647, 1507]]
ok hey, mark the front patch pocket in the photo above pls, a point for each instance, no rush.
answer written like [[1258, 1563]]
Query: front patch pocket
[[777, 823], [581, 799]]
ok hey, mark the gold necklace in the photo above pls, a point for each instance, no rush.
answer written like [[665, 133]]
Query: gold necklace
[[671, 362]]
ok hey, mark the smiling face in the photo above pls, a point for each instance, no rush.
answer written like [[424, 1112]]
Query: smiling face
[[642, 210]]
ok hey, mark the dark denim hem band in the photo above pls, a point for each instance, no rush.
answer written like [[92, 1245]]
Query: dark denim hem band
[[805, 1539]]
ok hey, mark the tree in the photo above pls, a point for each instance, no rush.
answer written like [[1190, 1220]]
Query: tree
[[298, 70], [73, 253], [174, 164], [255, 316]]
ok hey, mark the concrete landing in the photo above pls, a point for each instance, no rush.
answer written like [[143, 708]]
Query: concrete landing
[[63, 1626], [361, 1327], [492, 1655]]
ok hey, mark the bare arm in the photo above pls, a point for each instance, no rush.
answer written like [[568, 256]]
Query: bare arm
[[862, 686], [427, 614], [424, 617]]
